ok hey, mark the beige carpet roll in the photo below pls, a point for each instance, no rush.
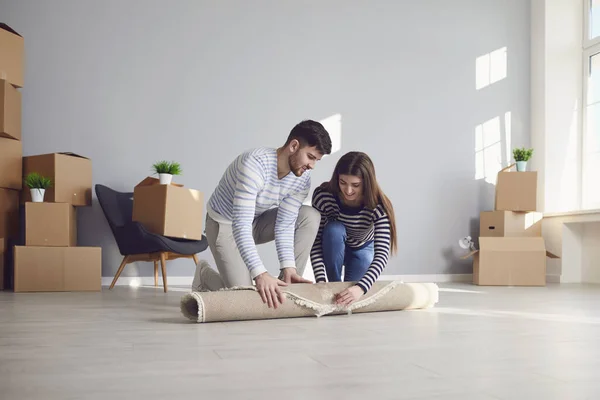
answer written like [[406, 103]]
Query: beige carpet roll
[[305, 300]]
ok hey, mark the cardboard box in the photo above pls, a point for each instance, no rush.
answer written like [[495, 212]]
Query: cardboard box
[[3, 247], [516, 191], [510, 261], [12, 56], [11, 164], [10, 111], [510, 224], [169, 210], [71, 176], [57, 269], [50, 224], [9, 213]]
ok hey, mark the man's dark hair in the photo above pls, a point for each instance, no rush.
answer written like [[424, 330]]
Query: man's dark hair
[[311, 133]]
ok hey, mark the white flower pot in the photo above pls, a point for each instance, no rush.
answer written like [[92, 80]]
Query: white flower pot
[[165, 179], [521, 166], [37, 195]]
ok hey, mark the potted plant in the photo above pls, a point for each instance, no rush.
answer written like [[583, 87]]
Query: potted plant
[[521, 156], [166, 170], [37, 186]]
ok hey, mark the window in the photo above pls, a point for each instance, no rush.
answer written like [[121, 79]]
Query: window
[[592, 28], [591, 107]]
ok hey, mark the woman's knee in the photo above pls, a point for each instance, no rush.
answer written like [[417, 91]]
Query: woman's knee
[[334, 228], [364, 259]]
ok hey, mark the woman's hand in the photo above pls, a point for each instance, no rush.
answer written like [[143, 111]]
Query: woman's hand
[[349, 296]]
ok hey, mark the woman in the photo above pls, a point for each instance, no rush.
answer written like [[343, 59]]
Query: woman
[[357, 230]]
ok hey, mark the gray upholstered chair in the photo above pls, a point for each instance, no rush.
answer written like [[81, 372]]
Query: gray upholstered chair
[[135, 242]]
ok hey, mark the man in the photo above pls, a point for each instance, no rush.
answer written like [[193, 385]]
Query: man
[[259, 199]]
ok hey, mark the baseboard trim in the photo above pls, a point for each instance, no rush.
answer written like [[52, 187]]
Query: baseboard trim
[[434, 278], [187, 280]]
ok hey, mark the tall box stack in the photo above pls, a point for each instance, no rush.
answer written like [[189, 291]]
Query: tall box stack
[[51, 259], [11, 149], [512, 251]]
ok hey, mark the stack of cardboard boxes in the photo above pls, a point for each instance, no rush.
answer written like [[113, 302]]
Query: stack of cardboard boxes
[[11, 148], [49, 260], [512, 251]]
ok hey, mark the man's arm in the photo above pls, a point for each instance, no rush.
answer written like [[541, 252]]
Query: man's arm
[[285, 225], [250, 181]]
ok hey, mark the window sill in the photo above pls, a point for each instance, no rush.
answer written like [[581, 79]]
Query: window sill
[[572, 213]]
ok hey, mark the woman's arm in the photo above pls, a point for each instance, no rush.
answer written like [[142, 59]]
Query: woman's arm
[[382, 250], [316, 253]]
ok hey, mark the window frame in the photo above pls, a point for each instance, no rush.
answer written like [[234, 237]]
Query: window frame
[[588, 53], [590, 47], [587, 11]]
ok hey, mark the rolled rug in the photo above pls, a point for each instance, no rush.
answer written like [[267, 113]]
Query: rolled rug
[[305, 300]]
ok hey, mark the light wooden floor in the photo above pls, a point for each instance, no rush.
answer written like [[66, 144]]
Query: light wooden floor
[[130, 343]]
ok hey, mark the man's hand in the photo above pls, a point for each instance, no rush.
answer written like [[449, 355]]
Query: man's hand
[[291, 276], [268, 288], [349, 296]]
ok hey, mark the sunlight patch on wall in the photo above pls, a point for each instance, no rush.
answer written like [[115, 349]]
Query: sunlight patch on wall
[[333, 124], [488, 150], [491, 68], [507, 138]]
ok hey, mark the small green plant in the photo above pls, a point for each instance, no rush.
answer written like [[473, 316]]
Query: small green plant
[[166, 167], [522, 154], [37, 181]]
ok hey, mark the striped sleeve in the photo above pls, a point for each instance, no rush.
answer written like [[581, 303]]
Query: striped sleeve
[[316, 253], [251, 179], [382, 250], [285, 224]]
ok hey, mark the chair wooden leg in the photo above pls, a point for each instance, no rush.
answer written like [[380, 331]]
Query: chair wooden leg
[[195, 259], [123, 264], [163, 261], [155, 273]]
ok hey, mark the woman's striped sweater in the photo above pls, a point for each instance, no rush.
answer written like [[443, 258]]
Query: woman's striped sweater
[[363, 225]]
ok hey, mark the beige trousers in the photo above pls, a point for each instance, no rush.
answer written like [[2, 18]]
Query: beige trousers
[[231, 266]]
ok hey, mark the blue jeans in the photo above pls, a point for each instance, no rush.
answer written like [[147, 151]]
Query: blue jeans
[[336, 254]]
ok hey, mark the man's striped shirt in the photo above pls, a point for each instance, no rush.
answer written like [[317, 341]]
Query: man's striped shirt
[[249, 187]]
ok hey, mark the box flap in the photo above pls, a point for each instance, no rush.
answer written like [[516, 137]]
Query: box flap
[[512, 244], [8, 29], [551, 255], [67, 153], [507, 168], [150, 181], [469, 255], [64, 153]]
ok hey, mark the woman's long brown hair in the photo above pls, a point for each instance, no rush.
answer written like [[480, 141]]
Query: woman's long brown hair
[[359, 164]]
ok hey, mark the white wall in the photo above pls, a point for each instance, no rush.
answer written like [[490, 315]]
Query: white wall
[[130, 82], [557, 70]]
